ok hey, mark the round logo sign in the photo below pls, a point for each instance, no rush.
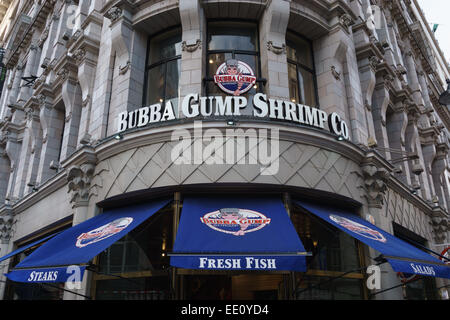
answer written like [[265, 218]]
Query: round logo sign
[[103, 232], [234, 77], [235, 221], [358, 228]]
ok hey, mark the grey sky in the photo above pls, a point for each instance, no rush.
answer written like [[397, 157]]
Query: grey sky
[[437, 12]]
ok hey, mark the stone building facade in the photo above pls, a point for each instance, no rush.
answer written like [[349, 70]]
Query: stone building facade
[[74, 66]]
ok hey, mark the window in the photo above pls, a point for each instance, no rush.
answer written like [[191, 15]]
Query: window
[[163, 69], [232, 40], [302, 78], [334, 252]]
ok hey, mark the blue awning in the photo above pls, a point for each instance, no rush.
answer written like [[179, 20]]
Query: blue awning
[[402, 256], [237, 233], [81, 243], [22, 249]]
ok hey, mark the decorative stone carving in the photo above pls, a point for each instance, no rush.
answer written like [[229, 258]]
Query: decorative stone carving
[[277, 49], [440, 227], [375, 184], [79, 180], [113, 14], [191, 46], [63, 73], [336, 74], [346, 20], [125, 68], [6, 222], [79, 55]]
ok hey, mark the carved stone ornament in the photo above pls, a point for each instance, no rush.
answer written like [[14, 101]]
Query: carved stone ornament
[[335, 73], [114, 14], [79, 55], [440, 227], [374, 62], [6, 223], [86, 101], [277, 49], [79, 181], [346, 20], [190, 46], [63, 73], [125, 68], [375, 184]]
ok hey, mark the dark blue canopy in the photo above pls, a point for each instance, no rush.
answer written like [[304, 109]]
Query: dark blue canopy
[[237, 233], [79, 244], [402, 256], [22, 249]]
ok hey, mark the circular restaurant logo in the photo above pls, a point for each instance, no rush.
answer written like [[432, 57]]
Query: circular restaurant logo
[[103, 232], [234, 77], [235, 221], [358, 228]]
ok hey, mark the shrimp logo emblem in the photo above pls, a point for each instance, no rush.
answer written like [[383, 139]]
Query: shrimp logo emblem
[[103, 232], [358, 228], [234, 77], [235, 221]]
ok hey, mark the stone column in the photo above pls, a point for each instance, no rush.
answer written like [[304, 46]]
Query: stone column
[[130, 47], [12, 150], [6, 223], [71, 94], [5, 172], [194, 46], [272, 33], [438, 168], [380, 102], [30, 67], [35, 132], [52, 121], [79, 181], [25, 154]]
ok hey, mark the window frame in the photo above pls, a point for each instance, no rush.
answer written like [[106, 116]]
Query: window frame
[[304, 67], [257, 53], [164, 62]]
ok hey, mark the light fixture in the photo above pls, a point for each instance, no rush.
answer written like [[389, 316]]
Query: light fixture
[[118, 136], [340, 138], [255, 86], [211, 61], [231, 122], [444, 98]]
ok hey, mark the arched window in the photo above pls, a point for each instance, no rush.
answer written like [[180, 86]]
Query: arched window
[[302, 77], [163, 68]]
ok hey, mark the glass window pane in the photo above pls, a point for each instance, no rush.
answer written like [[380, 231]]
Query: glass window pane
[[299, 50], [164, 46], [251, 60], [215, 60], [155, 85], [172, 78], [232, 36], [293, 83], [307, 88]]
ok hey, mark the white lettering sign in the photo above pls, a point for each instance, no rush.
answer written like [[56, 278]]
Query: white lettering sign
[[193, 105]]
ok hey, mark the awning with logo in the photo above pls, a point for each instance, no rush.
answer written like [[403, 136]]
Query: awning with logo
[[402, 256], [237, 233], [54, 261]]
